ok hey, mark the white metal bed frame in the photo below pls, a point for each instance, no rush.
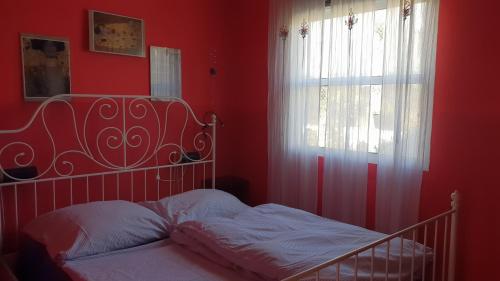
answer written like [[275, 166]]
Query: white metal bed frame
[[124, 108], [130, 117]]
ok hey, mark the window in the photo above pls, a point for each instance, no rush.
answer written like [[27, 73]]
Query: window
[[336, 42]]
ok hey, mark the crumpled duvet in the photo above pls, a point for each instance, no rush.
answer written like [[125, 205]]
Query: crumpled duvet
[[274, 242]]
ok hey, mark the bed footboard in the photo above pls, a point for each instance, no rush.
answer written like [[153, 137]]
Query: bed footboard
[[437, 234]]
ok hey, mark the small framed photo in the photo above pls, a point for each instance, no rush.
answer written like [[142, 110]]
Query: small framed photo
[[116, 34], [46, 66]]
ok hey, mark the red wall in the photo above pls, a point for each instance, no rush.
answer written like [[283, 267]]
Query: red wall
[[243, 99], [466, 135], [191, 26]]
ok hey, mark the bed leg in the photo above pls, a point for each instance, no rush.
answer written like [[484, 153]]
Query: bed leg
[[453, 236]]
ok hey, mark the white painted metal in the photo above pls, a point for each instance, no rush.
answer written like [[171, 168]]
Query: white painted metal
[[170, 183], [102, 187], [424, 258], [434, 260], [372, 268], [445, 244], [413, 254], [132, 189], [214, 148], [158, 185], [205, 176], [16, 207], [388, 251], [53, 195], [117, 186], [124, 137], [401, 239], [182, 179], [455, 202], [87, 189], [193, 185], [145, 185], [136, 123], [71, 191], [356, 267]]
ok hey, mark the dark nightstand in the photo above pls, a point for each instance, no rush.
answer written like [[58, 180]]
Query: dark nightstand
[[5, 271], [235, 185]]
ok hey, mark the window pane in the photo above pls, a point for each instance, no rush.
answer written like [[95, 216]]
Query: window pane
[[311, 103], [374, 131], [327, 25], [331, 63], [323, 103], [378, 43]]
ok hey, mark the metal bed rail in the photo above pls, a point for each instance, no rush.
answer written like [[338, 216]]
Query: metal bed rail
[[442, 265]]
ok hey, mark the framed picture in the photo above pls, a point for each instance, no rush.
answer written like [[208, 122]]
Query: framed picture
[[115, 34], [46, 66]]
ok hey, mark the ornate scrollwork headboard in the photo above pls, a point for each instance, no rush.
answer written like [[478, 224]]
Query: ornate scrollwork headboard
[[91, 143]]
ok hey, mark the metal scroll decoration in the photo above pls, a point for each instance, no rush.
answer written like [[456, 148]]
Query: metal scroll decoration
[[107, 133]]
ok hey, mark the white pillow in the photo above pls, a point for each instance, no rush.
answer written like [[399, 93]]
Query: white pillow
[[94, 228], [196, 204]]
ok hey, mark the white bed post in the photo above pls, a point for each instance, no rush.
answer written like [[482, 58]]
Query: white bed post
[[453, 236], [214, 147]]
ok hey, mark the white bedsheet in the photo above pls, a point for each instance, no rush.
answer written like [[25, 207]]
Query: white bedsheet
[[275, 242], [159, 261]]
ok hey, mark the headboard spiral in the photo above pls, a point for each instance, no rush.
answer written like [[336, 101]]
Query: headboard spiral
[[84, 145]]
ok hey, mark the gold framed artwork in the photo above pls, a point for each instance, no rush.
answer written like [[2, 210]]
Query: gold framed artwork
[[116, 34], [46, 66]]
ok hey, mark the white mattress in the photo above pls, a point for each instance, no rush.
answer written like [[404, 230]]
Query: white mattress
[[159, 261]]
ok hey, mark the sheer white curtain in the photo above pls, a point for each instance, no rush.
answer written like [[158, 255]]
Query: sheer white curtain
[[293, 102], [406, 111], [355, 85], [348, 44]]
